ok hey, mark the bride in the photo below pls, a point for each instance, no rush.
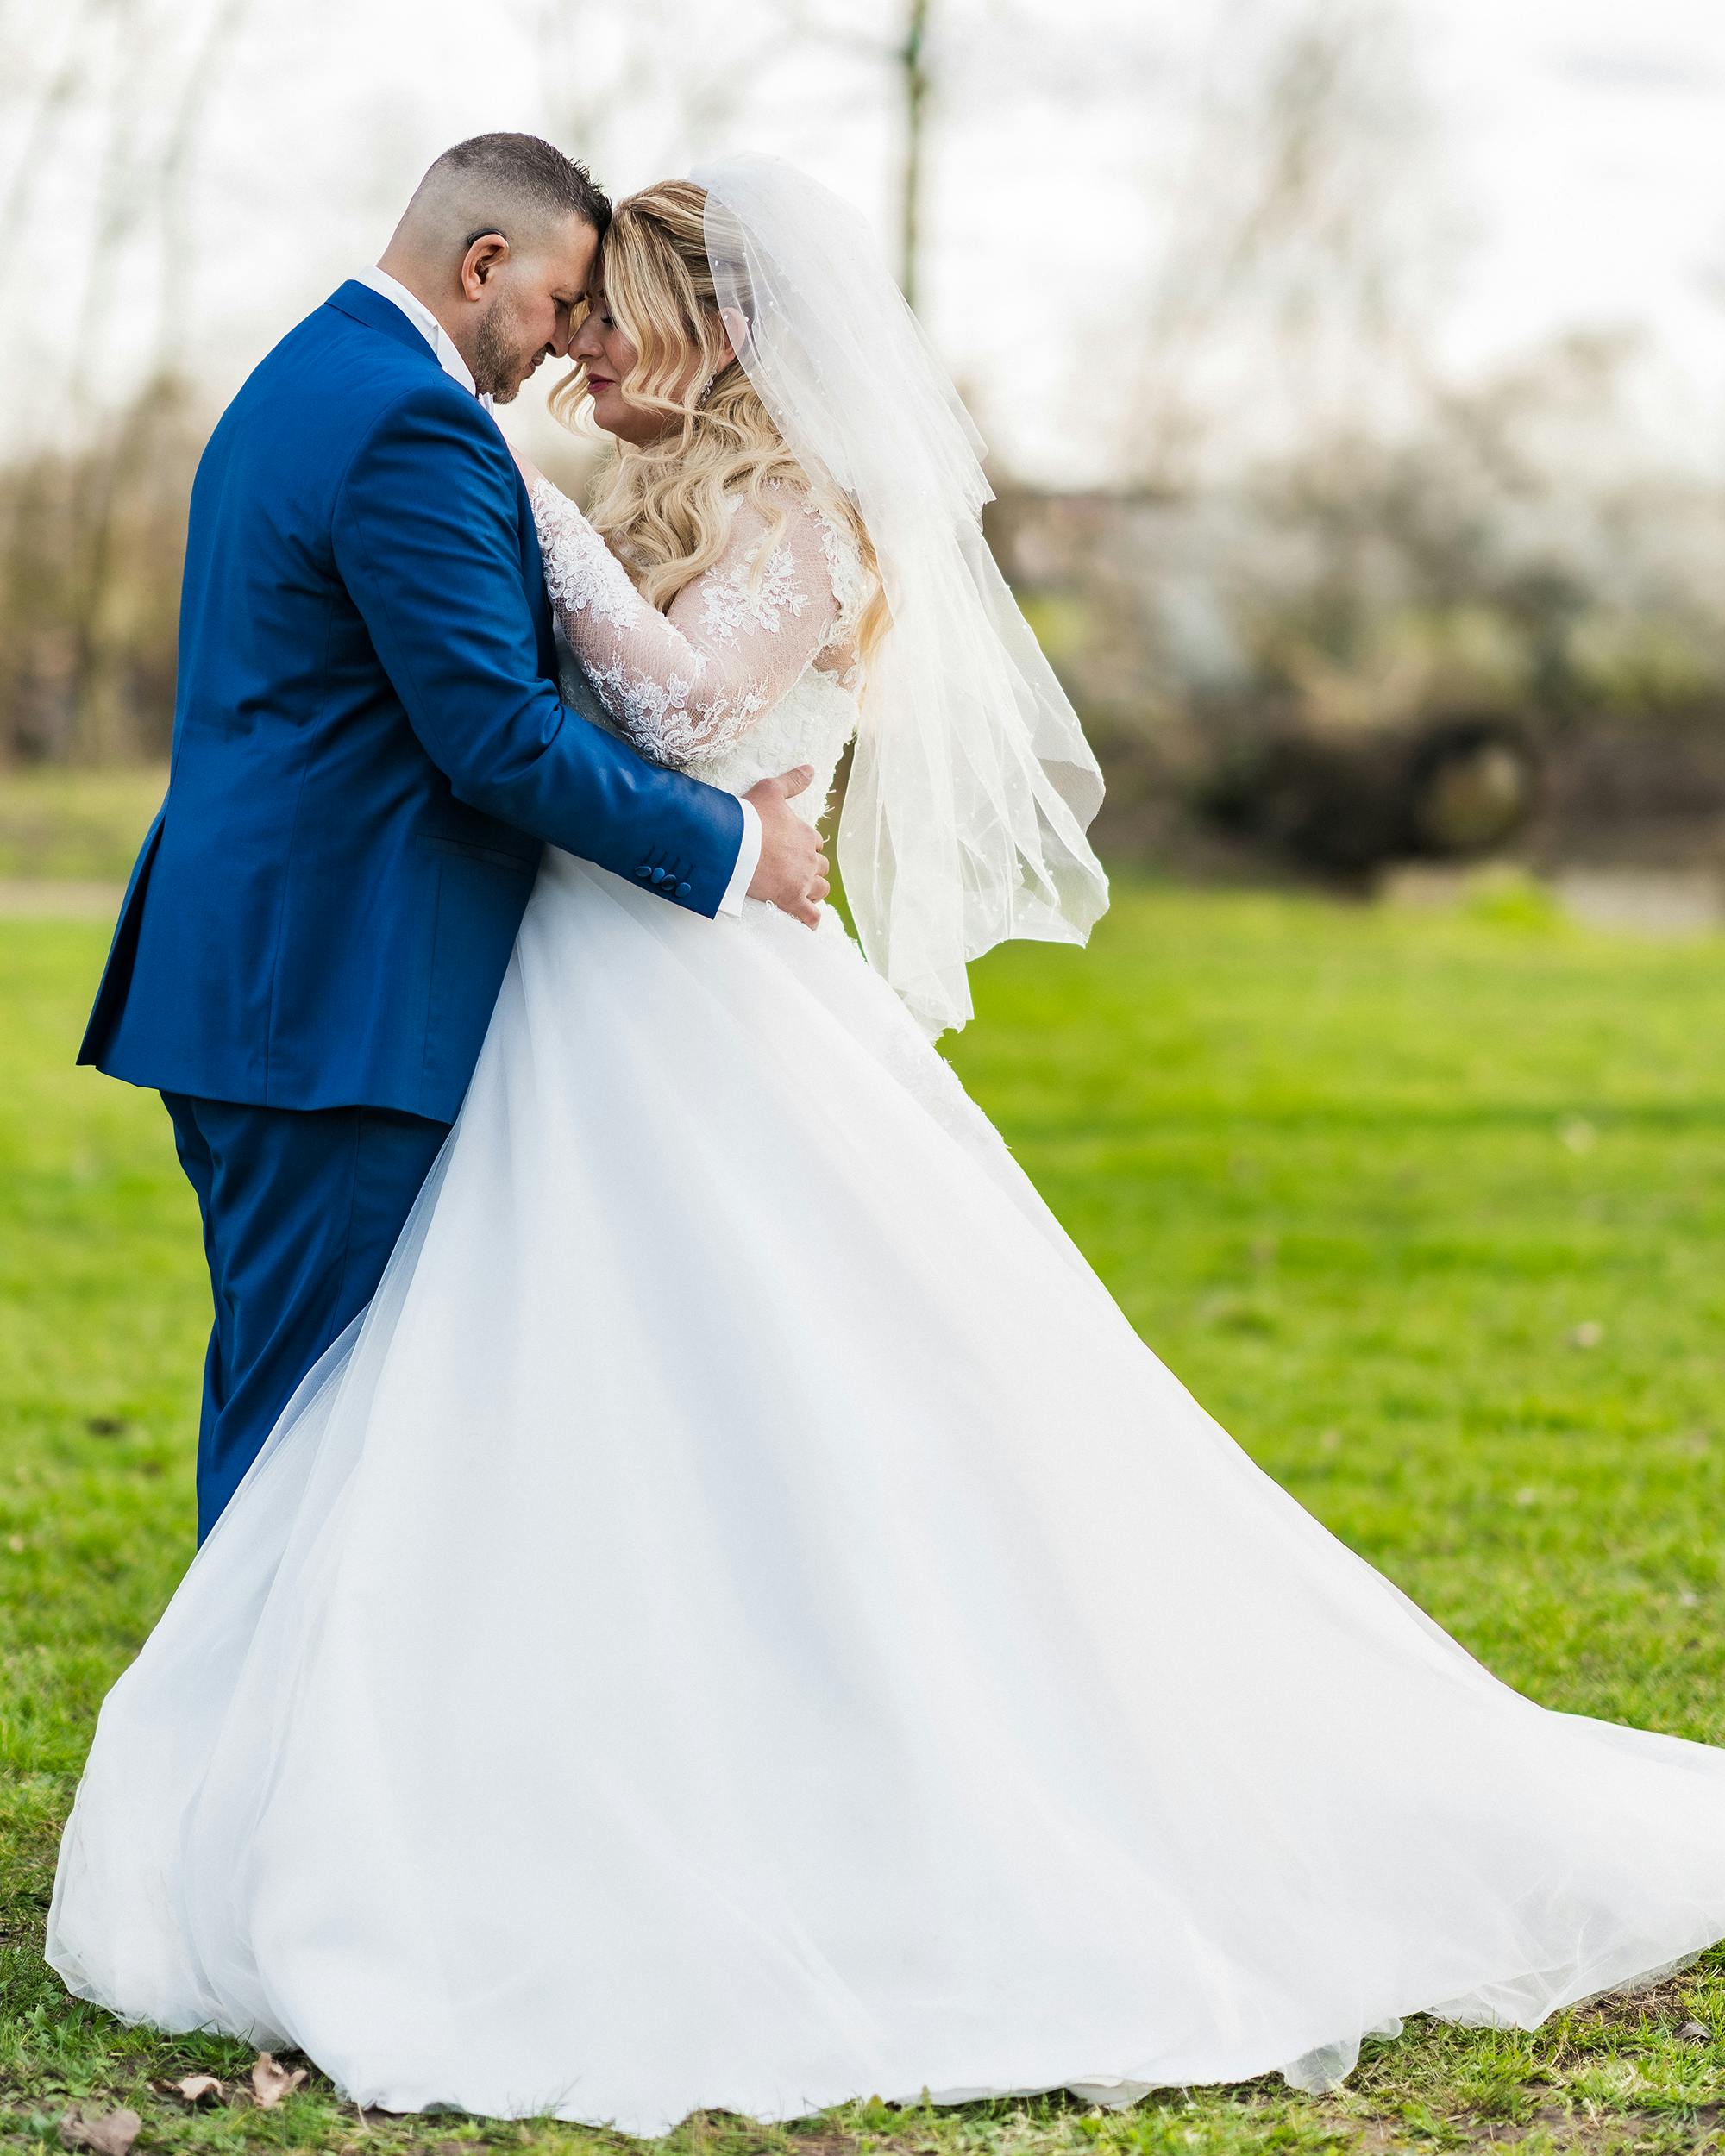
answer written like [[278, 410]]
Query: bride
[[641, 1675]]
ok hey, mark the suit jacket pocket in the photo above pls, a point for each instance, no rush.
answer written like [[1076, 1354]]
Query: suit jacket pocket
[[498, 857]]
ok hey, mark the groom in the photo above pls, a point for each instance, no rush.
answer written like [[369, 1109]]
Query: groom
[[369, 748]]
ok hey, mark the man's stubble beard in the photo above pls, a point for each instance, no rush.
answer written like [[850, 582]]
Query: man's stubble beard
[[499, 364]]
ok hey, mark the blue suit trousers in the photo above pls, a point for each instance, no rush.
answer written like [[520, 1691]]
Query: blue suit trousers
[[301, 1210]]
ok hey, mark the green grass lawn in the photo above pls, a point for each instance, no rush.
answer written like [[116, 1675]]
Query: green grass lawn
[[83, 825], [1429, 1210]]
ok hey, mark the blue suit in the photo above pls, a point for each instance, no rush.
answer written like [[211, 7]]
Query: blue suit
[[369, 748]]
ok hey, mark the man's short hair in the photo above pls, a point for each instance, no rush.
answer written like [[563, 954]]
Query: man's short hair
[[504, 175]]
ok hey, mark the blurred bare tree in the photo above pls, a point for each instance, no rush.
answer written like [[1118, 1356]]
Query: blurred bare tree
[[89, 585], [1300, 242], [638, 93], [892, 45], [910, 61], [121, 88]]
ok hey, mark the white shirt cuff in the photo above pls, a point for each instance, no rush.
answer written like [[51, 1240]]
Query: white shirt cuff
[[748, 860]]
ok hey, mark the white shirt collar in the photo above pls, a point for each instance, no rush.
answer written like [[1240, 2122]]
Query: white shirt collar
[[441, 343]]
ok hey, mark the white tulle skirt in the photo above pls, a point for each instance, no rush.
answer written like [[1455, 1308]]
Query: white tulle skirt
[[742, 1621]]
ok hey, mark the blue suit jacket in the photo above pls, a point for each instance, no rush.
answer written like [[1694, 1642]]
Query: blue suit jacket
[[368, 747]]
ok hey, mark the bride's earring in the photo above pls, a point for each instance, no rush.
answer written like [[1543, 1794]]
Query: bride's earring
[[706, 392]]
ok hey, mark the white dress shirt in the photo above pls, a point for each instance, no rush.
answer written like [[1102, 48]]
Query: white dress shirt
[[449, 359]]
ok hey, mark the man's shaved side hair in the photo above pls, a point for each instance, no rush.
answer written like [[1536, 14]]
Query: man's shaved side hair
[[511, 184]]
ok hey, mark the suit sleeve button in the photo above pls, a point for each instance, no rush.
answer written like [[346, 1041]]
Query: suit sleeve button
[[684, 889], [643, 873]]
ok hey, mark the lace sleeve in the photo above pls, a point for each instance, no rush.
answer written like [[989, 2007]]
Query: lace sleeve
[[686, 684]]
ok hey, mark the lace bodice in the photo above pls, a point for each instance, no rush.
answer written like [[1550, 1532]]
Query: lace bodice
[[751, 670]]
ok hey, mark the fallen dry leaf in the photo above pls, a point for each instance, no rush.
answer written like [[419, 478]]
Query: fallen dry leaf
[[1695, 2033], [271, 2083], [111, 2134], [196, 2087]]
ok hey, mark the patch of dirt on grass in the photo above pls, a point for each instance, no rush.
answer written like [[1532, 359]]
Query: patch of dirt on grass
[[1664, 2002], [1555, 2122], [830, 2144], [1579, 2129]]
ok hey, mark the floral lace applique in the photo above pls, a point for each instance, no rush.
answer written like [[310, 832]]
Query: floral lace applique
[[686, 684], [748, 597]]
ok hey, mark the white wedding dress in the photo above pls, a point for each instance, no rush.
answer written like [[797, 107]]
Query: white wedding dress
[[742, 1621]]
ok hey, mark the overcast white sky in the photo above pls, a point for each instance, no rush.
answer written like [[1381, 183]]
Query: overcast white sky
[[1578, 147]]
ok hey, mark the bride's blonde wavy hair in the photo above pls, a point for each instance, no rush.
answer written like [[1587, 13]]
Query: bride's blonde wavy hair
[[661, 506]]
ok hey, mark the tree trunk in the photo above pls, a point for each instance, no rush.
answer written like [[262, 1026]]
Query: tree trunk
[[912, 62]]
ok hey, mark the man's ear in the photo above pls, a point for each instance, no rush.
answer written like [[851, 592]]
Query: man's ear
[[484, 257]]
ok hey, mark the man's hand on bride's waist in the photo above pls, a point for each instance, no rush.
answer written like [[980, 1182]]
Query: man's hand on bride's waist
[[791, 873]]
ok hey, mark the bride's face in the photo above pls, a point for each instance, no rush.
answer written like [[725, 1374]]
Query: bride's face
[[604, 348]]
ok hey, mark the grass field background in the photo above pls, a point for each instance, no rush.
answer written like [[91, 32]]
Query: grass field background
[[1428, 1208]]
